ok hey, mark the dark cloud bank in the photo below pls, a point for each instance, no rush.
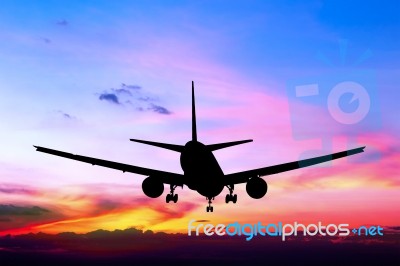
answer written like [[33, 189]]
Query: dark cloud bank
[[135, 247], [11, 210], [12, 216]]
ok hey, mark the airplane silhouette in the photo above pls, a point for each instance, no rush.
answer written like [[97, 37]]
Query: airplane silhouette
[[202, 172]]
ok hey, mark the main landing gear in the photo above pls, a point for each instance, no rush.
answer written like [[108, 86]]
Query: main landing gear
[[209, 207], [230, 197], [171, 196]]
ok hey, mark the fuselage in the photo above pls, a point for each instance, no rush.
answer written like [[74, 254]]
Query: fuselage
[[201, 169]]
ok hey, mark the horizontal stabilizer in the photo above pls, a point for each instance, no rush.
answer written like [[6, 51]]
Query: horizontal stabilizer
[[172, 147], [217, 146]]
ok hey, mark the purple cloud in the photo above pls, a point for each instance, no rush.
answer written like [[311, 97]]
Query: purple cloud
[[109, 97]]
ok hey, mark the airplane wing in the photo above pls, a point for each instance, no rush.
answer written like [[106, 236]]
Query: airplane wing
[[165, 177], [243, 177]]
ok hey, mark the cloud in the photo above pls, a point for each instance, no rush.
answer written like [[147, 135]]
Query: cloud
[[87, 207], [62, 22], [122, 91], [376, 167], [131, 87], [109, 97], [202, 221], [21, 211], [395, 228], [66, 115], [145, 247], [145, 99], [16, 189], [13, 217], [159, 109], [115, 94], [45, 40], [135, 96]]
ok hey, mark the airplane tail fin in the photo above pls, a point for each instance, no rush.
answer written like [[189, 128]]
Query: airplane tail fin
[[217, 146], [172, 147], [194, 129], [175, 147]]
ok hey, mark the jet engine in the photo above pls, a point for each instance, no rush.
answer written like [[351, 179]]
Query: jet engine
[[152, 187], [256, 187]]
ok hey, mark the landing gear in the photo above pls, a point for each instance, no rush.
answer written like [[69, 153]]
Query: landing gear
[[171, 196], [230, 197], [209, 207]]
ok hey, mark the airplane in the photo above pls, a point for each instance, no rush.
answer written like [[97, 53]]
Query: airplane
[[201, 171]]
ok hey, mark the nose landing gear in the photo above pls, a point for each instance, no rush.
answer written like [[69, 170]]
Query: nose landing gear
[[171, 196], [230, 197], [209, 207]]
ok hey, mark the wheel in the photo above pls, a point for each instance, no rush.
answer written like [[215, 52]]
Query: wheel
[[168, 198], [208, 209], [211, 209], [234, 198], [227, 198], [175, 198]]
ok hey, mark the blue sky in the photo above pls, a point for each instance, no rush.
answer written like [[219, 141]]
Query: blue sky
[[59, 57]]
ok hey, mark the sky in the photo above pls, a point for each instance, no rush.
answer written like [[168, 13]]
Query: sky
[[86, 76]]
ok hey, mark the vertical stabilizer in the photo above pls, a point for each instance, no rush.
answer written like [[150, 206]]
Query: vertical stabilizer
[[194, 130]]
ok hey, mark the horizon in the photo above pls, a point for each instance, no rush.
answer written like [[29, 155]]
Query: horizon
[[123, 247]]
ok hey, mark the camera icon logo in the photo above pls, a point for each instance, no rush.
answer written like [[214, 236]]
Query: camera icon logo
[[339, 104]]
